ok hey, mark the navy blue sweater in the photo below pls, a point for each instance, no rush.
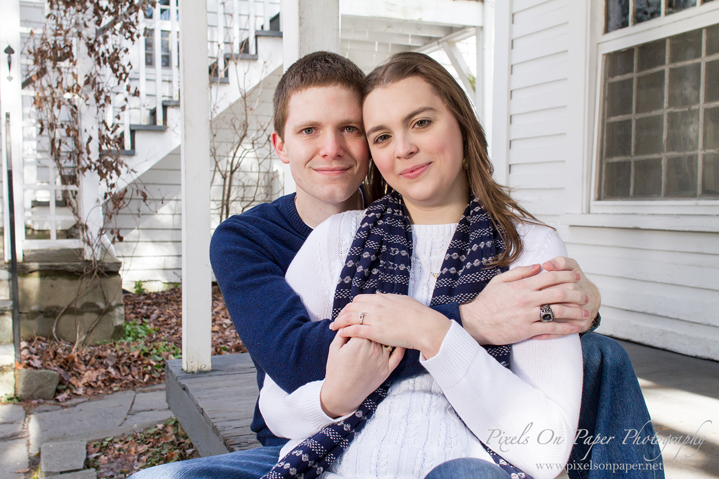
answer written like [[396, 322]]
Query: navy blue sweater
[[250, 254]]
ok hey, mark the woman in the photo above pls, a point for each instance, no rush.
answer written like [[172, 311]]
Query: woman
[[443, 231]]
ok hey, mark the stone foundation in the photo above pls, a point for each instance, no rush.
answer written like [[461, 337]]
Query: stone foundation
[[45, 289]]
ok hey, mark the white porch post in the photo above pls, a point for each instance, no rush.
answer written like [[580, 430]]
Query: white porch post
[[11, 102], [195, 178], [307, 26], [90, 189], [485, 68]]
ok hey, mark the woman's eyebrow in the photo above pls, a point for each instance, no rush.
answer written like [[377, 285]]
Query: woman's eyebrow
[[404, 120]]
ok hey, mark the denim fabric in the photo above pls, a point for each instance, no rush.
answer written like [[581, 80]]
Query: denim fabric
[[249, 464], [467, 468], [612, 405]]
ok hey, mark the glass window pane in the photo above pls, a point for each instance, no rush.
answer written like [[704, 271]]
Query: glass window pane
[[711, 128], [618, 139], [617, 14], [148, 12], [649, 135], [647, 178], [686, 46], [683, 130], [651, 55], [681, 177], [674, 6], [619, 98], [646, 10], [620, 63], [710, 174], [165, 42], [650, 92], [711, 80], [713, 40], [617, 177], [149, 59], [684, 85]]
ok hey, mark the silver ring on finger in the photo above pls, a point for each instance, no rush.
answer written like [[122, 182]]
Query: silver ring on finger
[[545, 313], [360, 315], [387, 347]]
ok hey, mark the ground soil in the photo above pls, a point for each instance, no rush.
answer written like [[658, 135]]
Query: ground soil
[[153, 333]]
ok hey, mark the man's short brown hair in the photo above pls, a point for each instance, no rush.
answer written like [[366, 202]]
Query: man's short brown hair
[[314, 70]]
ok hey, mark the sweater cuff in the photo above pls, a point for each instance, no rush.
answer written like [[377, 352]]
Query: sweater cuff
[[311, 404], [457, 352]]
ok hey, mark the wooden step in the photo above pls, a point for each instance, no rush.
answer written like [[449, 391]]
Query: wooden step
[[215, 407]]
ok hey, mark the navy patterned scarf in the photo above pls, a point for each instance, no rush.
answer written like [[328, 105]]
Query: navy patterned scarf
[[379, 260]]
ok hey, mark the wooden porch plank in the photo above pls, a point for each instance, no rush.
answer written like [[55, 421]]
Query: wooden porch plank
[[215, 407]]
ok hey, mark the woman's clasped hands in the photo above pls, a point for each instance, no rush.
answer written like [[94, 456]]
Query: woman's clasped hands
[[393, 320]]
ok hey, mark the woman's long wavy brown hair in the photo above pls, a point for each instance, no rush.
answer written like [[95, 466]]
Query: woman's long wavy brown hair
[[495, 198]]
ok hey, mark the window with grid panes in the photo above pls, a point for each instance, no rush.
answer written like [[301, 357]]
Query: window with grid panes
[[660, 120], [623, 13], [164, 48]]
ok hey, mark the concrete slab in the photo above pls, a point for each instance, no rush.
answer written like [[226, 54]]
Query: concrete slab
[[11, 431], [147, 418], [58, 457], [149, 401], [11, 413], [84, 474], [79, 422], [13, 457], [7, 381], [682, 395], [7, 354]]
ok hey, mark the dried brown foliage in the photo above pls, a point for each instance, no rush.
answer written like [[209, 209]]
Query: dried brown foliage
[[80, 73], [121, 457], [153, 334]]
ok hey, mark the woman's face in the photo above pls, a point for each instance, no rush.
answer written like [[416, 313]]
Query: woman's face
[[416, 143]]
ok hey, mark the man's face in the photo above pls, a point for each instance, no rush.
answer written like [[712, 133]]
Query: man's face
[[324, 143]]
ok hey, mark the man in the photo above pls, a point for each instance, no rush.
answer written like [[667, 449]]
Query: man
[[318, 132]]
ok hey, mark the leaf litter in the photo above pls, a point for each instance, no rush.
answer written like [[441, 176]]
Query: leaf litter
[[153, 334]]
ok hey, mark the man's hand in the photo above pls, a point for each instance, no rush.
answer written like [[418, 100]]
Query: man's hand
[[507, 310], [355, 368], [561, 263]]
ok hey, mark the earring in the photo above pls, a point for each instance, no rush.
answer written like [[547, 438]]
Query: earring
[[465, 164]]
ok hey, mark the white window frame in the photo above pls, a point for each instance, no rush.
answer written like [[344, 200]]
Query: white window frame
[[692, 18]]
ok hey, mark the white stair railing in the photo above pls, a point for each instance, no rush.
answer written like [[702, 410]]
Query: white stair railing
[[231, 31]]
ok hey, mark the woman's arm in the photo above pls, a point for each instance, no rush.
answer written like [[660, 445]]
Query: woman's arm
[[527, 415], [541, 392]]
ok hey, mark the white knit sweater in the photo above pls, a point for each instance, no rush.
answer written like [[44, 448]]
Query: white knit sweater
[[465, 397]]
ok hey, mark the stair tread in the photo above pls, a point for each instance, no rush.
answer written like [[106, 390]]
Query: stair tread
[[148, 127], [268, 33]]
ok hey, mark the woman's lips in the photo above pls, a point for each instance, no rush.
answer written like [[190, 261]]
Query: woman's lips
[[414, 171]]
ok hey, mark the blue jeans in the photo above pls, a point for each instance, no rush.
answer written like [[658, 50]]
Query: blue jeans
[[249, 464], [469, 468], [612, 405]]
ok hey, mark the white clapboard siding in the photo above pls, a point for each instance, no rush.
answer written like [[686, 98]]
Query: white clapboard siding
[[659, 331], [537, 109], [658, 287]]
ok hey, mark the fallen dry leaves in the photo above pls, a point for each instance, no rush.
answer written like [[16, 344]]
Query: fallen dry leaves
[[118, 458], [155, 321]]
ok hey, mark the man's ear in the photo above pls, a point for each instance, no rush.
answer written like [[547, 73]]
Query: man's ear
[[279, 146]]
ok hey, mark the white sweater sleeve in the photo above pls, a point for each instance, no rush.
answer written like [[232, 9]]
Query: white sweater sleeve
[[537, 401], [313, 275]]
